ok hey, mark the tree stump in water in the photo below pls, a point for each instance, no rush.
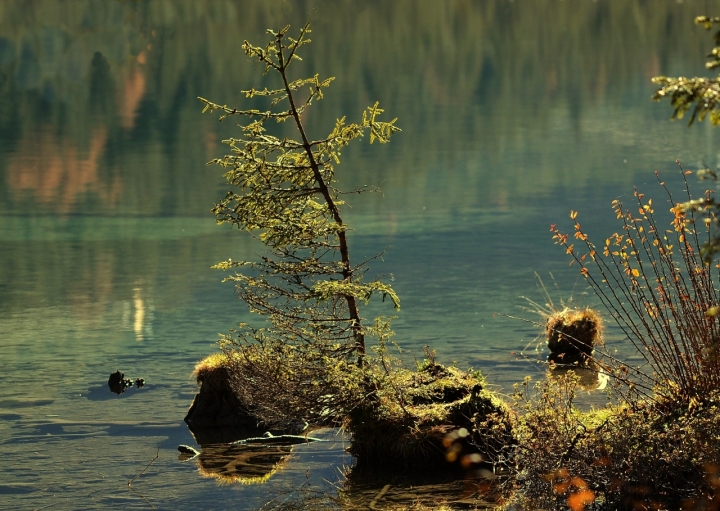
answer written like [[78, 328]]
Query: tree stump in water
[[215, 403], [572, 335]]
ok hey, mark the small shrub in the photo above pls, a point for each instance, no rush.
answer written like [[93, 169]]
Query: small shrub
[[620, 457], [305, 285], [661, 293]]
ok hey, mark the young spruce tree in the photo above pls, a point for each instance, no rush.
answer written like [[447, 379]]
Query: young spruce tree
[[305, 284]]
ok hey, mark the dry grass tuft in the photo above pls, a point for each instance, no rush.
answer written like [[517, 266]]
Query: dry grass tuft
[[572, 335]]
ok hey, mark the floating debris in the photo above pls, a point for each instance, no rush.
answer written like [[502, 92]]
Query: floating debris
[[118, 383]]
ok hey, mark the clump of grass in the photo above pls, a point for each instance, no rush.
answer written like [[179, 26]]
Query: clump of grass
[[572, 334], [281, 385]]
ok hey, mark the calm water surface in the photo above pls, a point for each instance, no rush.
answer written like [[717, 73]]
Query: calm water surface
[[512, 114]]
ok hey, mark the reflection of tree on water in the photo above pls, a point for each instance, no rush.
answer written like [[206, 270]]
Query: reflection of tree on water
[[240, 453], [481, 58], [244, 464]]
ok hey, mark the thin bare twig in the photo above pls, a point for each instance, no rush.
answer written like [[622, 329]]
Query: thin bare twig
[[129, 483]]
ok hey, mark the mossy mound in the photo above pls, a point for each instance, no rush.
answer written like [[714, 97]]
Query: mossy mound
[[572, 335], [216, 404], [422, 419], [397, 417]]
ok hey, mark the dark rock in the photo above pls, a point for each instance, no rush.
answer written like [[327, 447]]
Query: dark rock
[[215, 403], [117, 383]]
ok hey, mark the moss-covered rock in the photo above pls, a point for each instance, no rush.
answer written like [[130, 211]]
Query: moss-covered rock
[[424, 418]]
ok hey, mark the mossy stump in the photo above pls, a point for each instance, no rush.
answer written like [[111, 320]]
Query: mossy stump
[[572, 335], [421, 420], [215, 404]]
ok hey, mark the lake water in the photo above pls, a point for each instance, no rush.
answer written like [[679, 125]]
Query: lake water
[[513, 113]]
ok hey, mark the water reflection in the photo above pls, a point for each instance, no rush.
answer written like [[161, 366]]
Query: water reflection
[[243, 464], [236, 463], [50, 169], [142, 325], [118, 88], [589, 379]]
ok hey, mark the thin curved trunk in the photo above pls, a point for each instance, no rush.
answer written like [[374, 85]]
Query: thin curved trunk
[[344, 251]]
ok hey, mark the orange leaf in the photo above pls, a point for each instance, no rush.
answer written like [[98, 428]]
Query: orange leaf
[[579, 500], [573, 214]]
